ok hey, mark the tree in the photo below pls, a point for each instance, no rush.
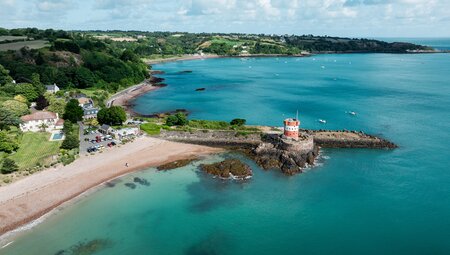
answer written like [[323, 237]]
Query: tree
[[9, 166], [43, 127], [8, 118], [55, 104], [238, 122], [41, 102], [93, 122], [70, 142], [73, 111], [178, 119], [21, 99], [36, 82], [4, 76], [7, 143], [28, 91], [67, 127], [15, 107], [115, 115]]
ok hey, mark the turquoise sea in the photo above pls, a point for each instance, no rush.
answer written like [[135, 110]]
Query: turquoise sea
[[353, 202]]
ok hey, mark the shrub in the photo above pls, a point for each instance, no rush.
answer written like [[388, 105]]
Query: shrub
[[238, 122], [178, 119], [9, 166]]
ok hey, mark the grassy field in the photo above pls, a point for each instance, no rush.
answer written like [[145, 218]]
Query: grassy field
[[37, 44], [12, 38], [35, 148], [151, 128]]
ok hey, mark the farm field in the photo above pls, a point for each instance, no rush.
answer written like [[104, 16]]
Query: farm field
[[37, 44], [11, 38]]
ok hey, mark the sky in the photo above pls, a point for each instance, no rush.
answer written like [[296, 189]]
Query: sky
[[352, 18]]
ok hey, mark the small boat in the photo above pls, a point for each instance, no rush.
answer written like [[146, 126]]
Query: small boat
[[322, 121], [352, 113]]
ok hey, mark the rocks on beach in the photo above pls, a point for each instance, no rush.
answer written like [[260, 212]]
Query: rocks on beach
[[228, 169]]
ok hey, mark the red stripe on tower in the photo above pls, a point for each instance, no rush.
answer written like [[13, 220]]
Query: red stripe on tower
[[291, 127]]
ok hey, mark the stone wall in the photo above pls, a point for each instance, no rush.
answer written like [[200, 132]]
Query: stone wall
[[213, 138]]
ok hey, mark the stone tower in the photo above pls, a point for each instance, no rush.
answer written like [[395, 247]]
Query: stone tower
[[291, 127]]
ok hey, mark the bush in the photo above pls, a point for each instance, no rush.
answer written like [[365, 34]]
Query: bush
[[9, 166], [178, 119], [238, 122]]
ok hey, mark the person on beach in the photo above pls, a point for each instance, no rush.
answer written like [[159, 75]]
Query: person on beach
[[126, 164]]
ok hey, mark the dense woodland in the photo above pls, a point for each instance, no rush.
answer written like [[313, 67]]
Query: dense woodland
[[81, 59]]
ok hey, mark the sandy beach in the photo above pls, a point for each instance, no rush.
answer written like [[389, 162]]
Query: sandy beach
[[32, 197], [180, 58], [124, 96]]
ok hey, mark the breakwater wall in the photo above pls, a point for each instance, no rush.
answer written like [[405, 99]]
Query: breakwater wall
[[213, 138], [349, 139]]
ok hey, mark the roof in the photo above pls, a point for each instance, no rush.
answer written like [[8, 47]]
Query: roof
[[60, 122], [84, 100], [51, 87], [40, 115], [105, 127]]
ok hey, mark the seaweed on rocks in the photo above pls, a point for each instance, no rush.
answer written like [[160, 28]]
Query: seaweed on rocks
[[175, 164], [229, 168]]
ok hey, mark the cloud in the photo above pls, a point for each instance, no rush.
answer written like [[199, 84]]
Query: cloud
[[332, 17]]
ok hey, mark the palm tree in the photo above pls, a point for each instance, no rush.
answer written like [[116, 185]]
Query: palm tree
[[43, 126]]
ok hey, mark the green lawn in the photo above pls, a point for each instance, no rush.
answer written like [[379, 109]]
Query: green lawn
[[35, 148], [151, 128]]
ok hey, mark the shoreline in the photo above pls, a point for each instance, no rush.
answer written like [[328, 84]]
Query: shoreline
[[35, 196]]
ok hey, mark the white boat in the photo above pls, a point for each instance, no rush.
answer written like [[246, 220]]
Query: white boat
[[322, 121], [352, 113]]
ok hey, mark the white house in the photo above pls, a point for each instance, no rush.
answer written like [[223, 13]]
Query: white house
[[34, 122], [52, 88], [125, 133]]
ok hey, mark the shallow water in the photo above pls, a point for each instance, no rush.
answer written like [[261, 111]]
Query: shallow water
[[354, 202]]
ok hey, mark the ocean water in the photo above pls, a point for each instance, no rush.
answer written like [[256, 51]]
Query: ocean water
[[355, 201]]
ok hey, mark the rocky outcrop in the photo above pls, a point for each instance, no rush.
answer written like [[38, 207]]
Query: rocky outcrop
[[289, 156], [175, 164], [228, 169]]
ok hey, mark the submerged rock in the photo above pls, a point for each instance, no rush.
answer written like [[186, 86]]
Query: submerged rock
[[229, 168], [184, 71], [86, 248], [130, 185], [175, 164], [141, 181]]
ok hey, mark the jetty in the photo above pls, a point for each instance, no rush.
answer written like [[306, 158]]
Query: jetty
[[289, 149]]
